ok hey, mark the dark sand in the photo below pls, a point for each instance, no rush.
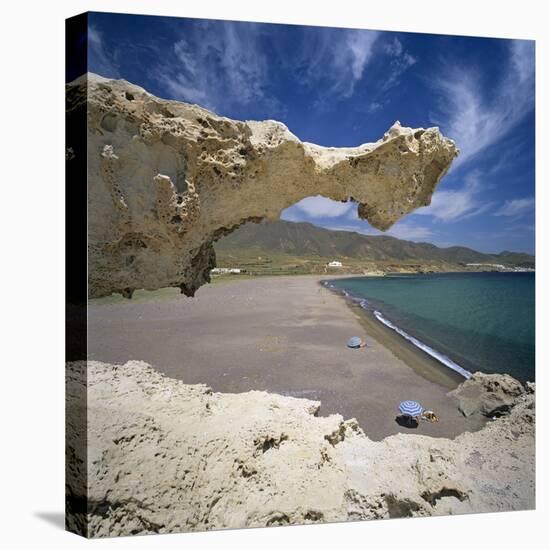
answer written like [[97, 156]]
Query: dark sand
[[279, 334]]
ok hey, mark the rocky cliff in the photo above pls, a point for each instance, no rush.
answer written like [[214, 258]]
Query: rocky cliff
[[149, 454], [166, 179], [164, 456]]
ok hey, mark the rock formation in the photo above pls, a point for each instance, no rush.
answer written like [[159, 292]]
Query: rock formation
[[164, 456], [487, 394], [166, 179], [146, 453]]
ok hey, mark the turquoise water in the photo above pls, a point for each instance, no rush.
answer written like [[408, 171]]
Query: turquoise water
[[469, 321]]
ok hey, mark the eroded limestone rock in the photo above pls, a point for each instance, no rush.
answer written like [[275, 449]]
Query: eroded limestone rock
[[166, 179], [488, 394], [164, 456]]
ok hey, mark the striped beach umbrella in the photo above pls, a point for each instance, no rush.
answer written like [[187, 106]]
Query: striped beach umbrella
[[410, 408], [354, 342]]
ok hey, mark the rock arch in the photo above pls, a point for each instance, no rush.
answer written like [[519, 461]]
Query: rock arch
[[166, 179]]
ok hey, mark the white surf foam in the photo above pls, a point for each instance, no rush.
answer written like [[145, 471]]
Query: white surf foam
[[424, 347], [440, 357]]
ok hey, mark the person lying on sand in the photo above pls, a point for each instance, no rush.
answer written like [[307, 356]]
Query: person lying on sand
[[430, 416], [355, 342]]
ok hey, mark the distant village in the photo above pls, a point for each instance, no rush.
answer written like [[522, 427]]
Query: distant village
[[334, 264], [501, 267], [238, 270], [374, 270], [227, 270]]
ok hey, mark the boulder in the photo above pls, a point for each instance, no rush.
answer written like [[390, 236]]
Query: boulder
[[488, 394]]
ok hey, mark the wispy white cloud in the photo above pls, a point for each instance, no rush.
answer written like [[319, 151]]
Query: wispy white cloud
[[400, 62], [410, 231], [335, 60], [457, 204], [342, 58], [318, 207], [374, 106], [523, 60], [475, 119], [343, 216], [396, 61], [401, 230], [292, 214], [363, 229], [393, 47], [221, 64], [516, 207], [355, 51], [103, 61]]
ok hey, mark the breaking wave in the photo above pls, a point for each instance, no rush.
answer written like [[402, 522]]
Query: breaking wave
[[440, 357]]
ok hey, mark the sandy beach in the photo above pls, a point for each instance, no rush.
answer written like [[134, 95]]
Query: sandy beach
[[283, 335]]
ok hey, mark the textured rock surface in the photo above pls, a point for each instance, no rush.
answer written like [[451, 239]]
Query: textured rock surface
[[166, 179], [165, 456], [487, 394]]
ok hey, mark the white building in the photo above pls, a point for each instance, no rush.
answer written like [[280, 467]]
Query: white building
[[335, 263], [225, 270]]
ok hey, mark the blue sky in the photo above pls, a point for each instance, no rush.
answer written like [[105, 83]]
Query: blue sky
[[344, 87]]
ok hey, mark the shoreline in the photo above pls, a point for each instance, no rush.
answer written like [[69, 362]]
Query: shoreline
[[282, 335], [418, 360]]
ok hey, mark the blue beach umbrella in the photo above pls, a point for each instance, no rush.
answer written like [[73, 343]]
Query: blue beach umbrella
[[354, 342], [410, 408]]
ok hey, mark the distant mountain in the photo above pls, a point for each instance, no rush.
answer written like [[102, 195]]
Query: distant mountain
[[307, 240]]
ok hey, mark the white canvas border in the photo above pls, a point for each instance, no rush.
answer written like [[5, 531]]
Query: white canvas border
[[32, 276]]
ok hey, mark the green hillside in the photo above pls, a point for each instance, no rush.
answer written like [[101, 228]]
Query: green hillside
[[306, 247]]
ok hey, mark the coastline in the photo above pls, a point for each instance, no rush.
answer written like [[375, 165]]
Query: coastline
[[282, 335], [419, 361]]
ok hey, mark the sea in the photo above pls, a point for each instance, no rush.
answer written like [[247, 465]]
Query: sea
[[467, 321]]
